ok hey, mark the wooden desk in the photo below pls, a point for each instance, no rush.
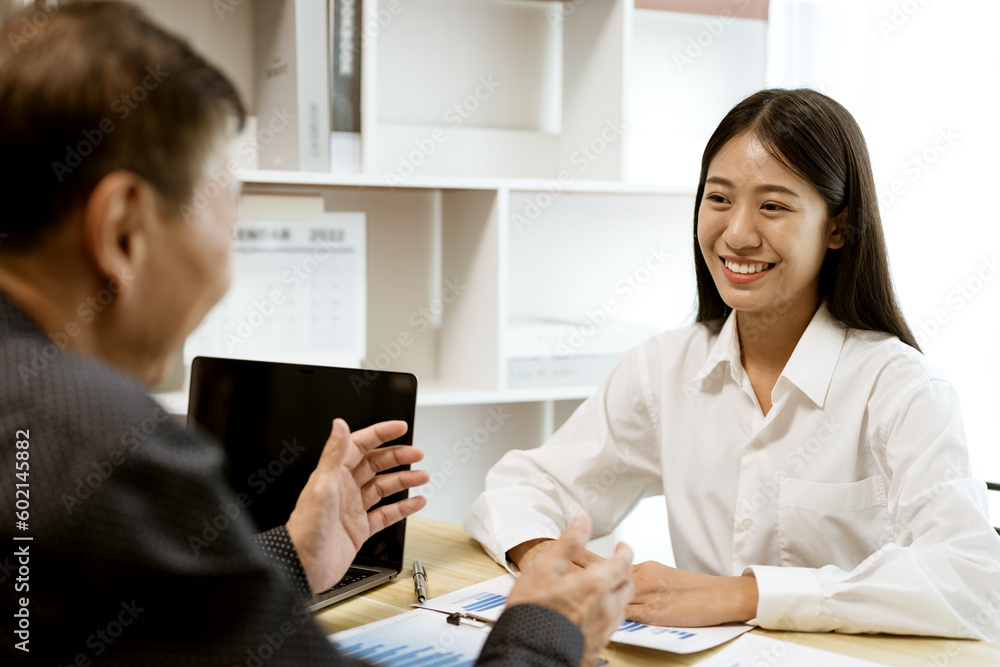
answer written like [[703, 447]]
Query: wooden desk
[[453, 561]]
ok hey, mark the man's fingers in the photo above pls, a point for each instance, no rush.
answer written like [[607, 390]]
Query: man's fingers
[[363, 441], [585, 558], [390, 514], [620, 602], [386, 485], [336, 446], [620, 564], [614, 572], [395, 455], [622, 560], [570, 543], [369, 438], [386, 459]]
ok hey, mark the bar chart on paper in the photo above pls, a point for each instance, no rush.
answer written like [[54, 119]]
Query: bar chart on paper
[[414, 638], [676, 640], [481, 602]]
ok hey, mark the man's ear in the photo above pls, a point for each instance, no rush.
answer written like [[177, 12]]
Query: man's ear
[[838, 235], [114, 224]]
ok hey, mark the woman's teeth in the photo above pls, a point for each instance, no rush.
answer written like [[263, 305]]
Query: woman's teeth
[[746, 268]]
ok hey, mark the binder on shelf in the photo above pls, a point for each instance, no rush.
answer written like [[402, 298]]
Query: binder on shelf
[[293, 109], [345, 85]]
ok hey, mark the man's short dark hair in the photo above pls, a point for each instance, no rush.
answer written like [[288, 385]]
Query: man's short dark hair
[[91, 87]]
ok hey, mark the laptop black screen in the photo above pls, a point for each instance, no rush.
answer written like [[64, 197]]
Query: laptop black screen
[[274, 420]]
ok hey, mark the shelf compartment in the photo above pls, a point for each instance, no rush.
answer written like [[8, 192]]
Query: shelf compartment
[[590, 275]]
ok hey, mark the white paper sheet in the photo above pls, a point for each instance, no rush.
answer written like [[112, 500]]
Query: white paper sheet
[[758, 651]]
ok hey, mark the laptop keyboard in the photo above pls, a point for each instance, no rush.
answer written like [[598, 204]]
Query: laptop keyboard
[[353, 575]]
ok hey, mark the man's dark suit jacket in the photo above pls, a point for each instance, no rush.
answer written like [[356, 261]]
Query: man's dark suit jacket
[[119, 497]]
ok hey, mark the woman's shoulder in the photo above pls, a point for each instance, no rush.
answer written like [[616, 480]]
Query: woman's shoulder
[[679, 350], [684, 340], [891, 359]]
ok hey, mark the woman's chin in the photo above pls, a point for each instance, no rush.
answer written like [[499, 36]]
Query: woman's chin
[[737, 299]]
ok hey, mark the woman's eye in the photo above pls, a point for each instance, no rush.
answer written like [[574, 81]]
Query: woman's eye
[[718, 199], [770, 206]]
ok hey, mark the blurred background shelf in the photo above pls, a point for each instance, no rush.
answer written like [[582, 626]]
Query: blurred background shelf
[[533, 154], [511, 175]]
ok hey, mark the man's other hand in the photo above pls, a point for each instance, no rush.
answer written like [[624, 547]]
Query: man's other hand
[[331, 520], [593, 597]]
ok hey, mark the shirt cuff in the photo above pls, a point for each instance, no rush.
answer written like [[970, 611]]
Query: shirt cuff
[[496, 540], [787, 597], [276, 546]]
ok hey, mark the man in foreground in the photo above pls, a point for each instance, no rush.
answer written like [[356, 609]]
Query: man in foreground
[[114, 243]]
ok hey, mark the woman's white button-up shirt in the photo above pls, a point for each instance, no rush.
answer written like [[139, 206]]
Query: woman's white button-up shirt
[[851, 501]]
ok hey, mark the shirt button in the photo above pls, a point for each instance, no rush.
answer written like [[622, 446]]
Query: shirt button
[[747, 525]]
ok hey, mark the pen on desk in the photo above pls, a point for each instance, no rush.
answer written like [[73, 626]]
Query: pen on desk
[[455, 618], [419, 581]]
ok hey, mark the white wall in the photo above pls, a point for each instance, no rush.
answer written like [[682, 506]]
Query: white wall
[[923, 80], [685, 71]]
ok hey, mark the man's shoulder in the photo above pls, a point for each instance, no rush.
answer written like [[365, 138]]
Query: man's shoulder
[[79, 404], [34, 371], [95, 433]]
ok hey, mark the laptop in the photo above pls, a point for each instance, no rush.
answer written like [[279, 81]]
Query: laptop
[[274, 420]]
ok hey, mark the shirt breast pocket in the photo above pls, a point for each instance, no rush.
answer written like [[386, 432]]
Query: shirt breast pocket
[[832, 524]]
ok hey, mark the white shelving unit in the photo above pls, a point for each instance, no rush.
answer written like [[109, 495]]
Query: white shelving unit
[[526, 204]]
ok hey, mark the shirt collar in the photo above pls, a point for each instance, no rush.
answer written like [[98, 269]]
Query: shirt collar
[[810, 368], [726, 350], [815, 357]]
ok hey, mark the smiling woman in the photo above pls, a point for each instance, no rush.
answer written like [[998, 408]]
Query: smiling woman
[[813, 462]]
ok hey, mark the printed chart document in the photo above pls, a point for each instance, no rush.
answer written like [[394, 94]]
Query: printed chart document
[[424, 636], [488, 598], [754, 650], [418, 637]]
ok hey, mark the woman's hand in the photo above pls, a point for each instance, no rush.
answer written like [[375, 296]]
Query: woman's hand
[[668, 596], [526, 552]]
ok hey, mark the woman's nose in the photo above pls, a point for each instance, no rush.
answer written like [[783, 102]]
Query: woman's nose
[[741, 230]]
